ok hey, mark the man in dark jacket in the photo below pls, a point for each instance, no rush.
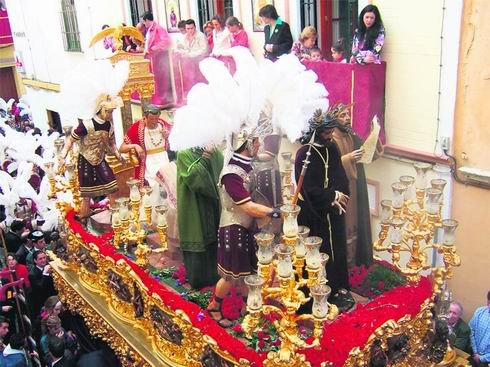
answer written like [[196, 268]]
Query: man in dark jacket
[[42, 285], [459, 330], [14, 237]]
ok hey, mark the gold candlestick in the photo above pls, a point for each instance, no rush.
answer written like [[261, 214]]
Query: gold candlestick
[[161, 211], [288, 294], [147, 191], [413, 225]]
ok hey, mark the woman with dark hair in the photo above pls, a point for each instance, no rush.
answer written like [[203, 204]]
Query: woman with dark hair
[[369, 37], [238, 36], [221, 37], [278, 37]]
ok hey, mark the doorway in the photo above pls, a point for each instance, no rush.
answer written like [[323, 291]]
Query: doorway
[[338, 19]]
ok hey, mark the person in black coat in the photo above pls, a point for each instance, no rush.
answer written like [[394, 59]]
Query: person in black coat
[[56, 347], [324, 196], [14, 238], [278, 37], [42, 285]]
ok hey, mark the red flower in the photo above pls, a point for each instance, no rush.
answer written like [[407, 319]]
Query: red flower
[[261, 344], [262, 335], [237, 328]]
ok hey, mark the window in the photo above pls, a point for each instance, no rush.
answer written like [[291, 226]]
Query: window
[[138, 8], [308, 13], [69, 26], [205, 9], [227, 9], [344, 21]]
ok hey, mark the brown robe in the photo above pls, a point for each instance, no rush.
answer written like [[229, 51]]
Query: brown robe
[[357, 217]]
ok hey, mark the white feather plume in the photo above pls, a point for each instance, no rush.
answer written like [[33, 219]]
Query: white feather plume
[[82, 86], [288, 92]]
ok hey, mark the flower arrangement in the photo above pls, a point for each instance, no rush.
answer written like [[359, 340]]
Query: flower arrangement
[[376, 279], [265, 338]]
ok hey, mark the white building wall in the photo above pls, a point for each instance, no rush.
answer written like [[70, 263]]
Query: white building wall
[[37, 30]]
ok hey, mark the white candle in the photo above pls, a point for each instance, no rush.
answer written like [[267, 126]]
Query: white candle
[[285, 267], [265, 255], [313, 261], [320, 310], [290, 226], [134, 194], [123, 212], [396, 235], [300, 248], [254, 301], [115, 218], [162, 220]]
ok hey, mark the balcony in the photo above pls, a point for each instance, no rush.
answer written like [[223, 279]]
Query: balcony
[[5, 32], [360, 85]]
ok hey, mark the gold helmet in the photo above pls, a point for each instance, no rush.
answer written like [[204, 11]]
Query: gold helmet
[[105, 101], [248, 133]]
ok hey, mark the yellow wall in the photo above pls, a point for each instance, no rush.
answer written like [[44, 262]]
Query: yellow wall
[[412, 52], [472, 136]]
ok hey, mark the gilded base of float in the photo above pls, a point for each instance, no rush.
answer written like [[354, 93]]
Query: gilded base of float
[[130, 344]]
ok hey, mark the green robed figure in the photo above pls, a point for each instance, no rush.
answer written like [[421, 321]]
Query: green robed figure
[[198, 209]]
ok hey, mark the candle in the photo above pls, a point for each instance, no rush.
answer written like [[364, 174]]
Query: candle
[[162, 220], [396, 230], [134, 193], [421, 168], [449, 235], [385, 211], [123, 212], [398, 194], [300, 248], [115, 218], [320, 294], [285, 267], [290, 226], [254, 298], [312, 244]]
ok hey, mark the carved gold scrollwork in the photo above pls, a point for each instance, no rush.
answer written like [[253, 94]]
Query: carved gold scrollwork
[[97, 325], [415, 329], [163, 324]]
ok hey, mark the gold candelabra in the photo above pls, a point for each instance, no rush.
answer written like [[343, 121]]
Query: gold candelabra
[[297, 249], [412, 224], [126, 221]]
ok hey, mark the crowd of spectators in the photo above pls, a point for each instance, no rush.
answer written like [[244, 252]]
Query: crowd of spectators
[[34, 326]]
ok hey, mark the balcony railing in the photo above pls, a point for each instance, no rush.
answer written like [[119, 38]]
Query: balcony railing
[[363, 86]]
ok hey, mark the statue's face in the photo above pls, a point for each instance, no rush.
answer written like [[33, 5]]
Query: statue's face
[[253, 147], [344, 118], [325, 135], [106, 114], [151, 120]]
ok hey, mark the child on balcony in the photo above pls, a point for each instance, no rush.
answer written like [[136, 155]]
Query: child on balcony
[[337, 51], [316, 54]]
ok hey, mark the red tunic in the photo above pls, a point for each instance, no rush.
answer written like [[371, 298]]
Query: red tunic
[[136, 135]]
